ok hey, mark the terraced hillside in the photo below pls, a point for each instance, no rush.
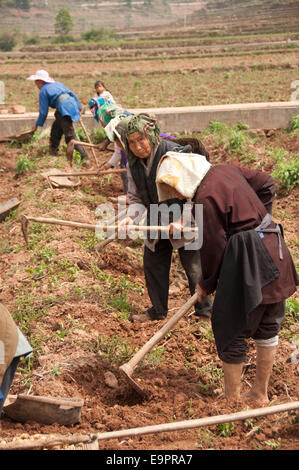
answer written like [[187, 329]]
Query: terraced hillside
[[189, 17], [247, 16]]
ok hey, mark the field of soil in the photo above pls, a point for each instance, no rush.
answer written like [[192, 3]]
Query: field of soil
[[75, 307], [208, 75]]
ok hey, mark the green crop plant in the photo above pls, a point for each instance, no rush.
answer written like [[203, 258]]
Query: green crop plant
[[154, 357], [278, 154], [55, 371], [117, 350], [37, 272], [81, 134], [89, 241], [216, 127], [46, 254], [274, 444], [120, 303], [289, 332], [206, 438], [25, 368], [293, 124], [210, 378], [225, 429], [287, 174], [62, 332], [23, 165], [237, 140], [98, 136]]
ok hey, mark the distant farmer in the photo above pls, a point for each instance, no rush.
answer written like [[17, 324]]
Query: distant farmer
[[68, 108], [13, 346], [244, 259]]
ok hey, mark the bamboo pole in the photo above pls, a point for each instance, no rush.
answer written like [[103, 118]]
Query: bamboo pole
[[85, 173], [91, 173], [50, 441], [121, 228], [87, 144], [69, 223]]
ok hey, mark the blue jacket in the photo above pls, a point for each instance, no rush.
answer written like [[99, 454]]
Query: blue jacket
[[56, 95]]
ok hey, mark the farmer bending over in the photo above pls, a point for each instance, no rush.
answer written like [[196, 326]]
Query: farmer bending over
[[243, 257], [140, 136], [68, 108]]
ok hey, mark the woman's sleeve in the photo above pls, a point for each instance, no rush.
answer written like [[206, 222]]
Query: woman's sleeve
[[213, 243], [263, 184], [43, 108]]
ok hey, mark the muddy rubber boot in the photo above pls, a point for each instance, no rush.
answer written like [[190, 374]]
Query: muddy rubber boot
[[232, 380], [264, 364]]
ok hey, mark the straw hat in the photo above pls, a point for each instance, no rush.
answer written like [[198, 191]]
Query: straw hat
[[41, 75]]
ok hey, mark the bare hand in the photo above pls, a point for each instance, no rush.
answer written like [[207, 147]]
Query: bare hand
[[126, 221], [201, 294], [175, 227], [103, 145], [106, 166]]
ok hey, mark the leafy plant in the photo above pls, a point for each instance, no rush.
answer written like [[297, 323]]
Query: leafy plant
[[278, 154], [37, 272], [225, 429], [237, 140], [274, 444], [293, 124], [216, 127], [287, 174], [98, 136], [292, 310], [81, 134], [62, 332], [23, 165], [116, 349]]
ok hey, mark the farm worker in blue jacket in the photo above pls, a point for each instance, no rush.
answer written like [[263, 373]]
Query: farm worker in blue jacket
[[68, 108]]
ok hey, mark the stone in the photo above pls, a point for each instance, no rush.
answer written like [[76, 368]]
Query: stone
[[18, 109], [111, 380]]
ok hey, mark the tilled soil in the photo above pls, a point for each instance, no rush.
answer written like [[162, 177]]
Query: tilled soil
[[80, 332]]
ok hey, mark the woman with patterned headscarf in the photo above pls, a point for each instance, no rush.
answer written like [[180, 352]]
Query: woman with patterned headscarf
[[140, 137]]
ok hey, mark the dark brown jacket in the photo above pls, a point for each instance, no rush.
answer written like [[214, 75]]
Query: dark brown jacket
[[235, 200]]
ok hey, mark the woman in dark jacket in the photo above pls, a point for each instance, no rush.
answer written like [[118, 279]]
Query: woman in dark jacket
[[140, 136], [243, 258]]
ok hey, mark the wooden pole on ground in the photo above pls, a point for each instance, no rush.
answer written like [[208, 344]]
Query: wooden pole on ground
[[50, 441]]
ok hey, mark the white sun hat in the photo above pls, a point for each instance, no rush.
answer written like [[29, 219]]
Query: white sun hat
[[41, 75]]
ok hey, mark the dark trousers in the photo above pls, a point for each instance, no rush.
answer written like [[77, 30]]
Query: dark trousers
[[262, 323], [63, 125], [157, 268]]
